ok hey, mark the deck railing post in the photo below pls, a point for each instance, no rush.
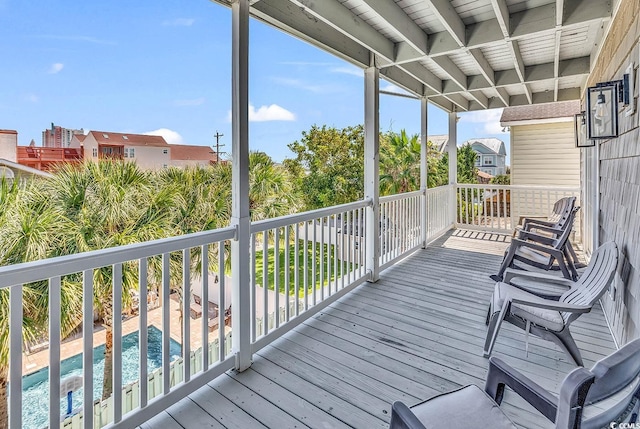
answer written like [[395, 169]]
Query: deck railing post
[[371, 169], [424, 169], [452, 150], [240, 255]]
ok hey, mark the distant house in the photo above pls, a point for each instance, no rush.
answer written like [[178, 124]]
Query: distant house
[[439, 142], [149, 152], [543, 151], [490, 155], [191, 155]]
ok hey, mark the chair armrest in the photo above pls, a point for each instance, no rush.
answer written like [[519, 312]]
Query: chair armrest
[[403, 418], [501, 375], [531, 220], [540, 247], [510, 274], [534, 301], [537, 238]]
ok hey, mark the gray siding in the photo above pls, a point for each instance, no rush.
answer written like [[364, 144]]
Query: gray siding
[[620, 177]]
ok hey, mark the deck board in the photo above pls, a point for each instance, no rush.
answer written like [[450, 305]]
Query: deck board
[[417, 332]]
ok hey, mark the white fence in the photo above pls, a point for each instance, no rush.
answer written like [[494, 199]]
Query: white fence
[[500, 208], [400, 225]]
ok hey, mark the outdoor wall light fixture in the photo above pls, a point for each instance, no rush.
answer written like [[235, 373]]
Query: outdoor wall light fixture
[[602, 102], [580, 124]]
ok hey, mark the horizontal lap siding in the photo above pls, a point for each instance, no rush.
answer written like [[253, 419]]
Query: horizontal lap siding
[[620, 176], [544, 155]]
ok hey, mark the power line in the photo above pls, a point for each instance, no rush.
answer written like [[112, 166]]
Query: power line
[[217, 135]]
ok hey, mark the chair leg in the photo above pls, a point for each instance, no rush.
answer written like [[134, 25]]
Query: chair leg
[[494, 326], [506, 263], [569, 346]]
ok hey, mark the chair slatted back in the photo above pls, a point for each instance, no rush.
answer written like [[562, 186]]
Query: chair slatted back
[[561, 210], [595, 280], [617, 379]]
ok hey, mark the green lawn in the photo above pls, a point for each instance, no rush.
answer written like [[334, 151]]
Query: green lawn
[[302, 254]]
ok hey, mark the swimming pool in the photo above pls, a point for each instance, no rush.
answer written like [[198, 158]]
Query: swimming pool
[[35, 387]]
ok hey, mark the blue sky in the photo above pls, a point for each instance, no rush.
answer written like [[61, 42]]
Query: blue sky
[[144, 66]]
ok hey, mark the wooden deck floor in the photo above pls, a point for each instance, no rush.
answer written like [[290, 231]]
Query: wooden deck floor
[[417, 332]]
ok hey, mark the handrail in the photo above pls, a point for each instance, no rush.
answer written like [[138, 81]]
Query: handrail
[[278, 222], [519, 187], [28, 272], [402, 196]]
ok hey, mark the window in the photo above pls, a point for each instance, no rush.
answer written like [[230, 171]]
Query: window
[[165, 151], [129, 152], [488, 160], [165, 166], [95, 152], [106, 136], [477, 159], [125, 137]]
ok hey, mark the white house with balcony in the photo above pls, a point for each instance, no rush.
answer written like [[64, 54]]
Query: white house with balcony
[[491, 155]]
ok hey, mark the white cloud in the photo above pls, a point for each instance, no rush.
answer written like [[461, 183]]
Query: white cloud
[[189, 102], [179, 22], [488, 119], [88, 39], [269, 113], [55, 68], [353, 71], [31, 98], [170, 136]]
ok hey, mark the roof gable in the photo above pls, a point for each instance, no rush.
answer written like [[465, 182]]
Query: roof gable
[[490, 145], [108, 137]]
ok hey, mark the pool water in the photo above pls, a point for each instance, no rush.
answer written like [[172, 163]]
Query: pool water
[[35, 387]]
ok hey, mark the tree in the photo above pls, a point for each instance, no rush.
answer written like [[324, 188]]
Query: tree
[[29, 231], [399, 163], [467, 173], [501, 179], [328, 168], [103, 205], [271, 190]]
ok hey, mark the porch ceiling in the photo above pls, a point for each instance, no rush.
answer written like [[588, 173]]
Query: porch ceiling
[[462, 54]]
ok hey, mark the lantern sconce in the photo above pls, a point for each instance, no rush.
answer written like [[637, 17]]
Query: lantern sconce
[[602, 104], [580, 125]]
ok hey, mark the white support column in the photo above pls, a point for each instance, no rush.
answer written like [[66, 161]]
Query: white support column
[[371, 168], [424, 169], [452, 150], [240, 257]]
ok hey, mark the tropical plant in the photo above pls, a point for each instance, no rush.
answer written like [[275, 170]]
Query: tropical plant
[[399, 163], [501, 179]]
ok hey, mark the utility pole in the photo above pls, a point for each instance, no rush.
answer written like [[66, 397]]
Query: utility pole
[[217, 135]]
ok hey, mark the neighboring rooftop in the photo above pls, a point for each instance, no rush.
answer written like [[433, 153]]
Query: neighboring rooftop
[[8, 132], [537, 112], [439, 141], [192, 152], [108, 137], [493, 144]]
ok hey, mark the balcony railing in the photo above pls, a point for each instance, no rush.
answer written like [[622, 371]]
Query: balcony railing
[[299, 264]]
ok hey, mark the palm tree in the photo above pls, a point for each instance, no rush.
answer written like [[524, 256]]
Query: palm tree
[[30, 230], [271, 191], [399, 163], [109, 204]]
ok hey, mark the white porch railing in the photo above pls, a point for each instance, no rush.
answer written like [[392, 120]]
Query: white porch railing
[[499, 208], [299, 264]]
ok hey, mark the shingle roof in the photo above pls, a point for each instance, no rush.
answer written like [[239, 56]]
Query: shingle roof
[[191, 152], [8, 132], [562, 109], [108, 137], [493, 144], [439, 141]]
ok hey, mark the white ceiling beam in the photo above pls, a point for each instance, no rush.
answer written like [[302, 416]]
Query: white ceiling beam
[[502, 15], [450, 19], [459, 101], [559, 12], [337, 16], [421, 73], [579, 11], [483, 65], [480, 98], [405, 27], [503, 95], [294, 21], [442, 103], [452, 70], [519, 66], [405, 81]]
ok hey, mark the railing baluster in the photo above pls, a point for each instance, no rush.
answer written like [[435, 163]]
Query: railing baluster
[[349, 237], [204, 298], [335, 252], [117, 342], [321, 268], [296, 263], [166, 322], [313, 262], [287, 269], [143, 312], [305, 253], [54, 352], [222, 304], [87, 348], [15, 356], [186, 317], [329, 253], [276, 275], [265, 282], [254, 288]]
